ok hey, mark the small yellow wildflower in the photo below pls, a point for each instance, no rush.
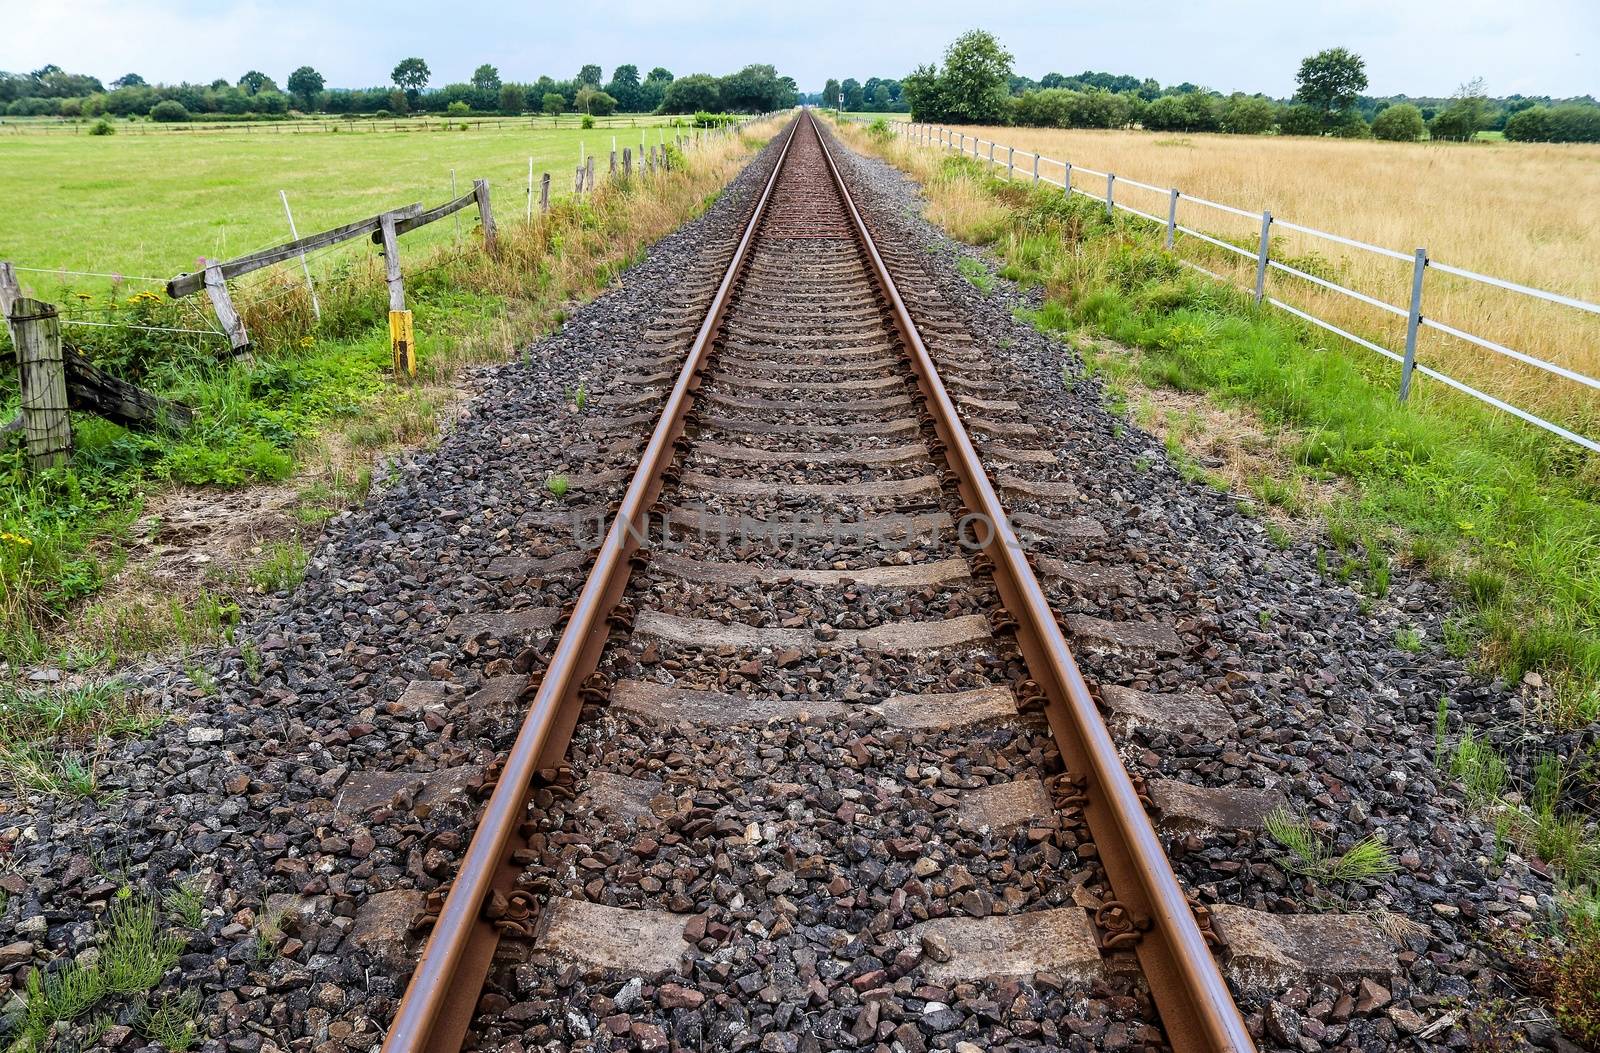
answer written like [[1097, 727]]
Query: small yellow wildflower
[[16, 539]]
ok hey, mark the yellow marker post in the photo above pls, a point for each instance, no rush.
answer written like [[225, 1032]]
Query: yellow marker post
[[402, 344]]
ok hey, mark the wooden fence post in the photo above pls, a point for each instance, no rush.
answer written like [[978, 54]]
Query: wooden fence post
[[222, 303], [480, 188], [402, 343], [613, 163], [590, 176], [544, 194], [627, 162], [577, 180], [42, 371]]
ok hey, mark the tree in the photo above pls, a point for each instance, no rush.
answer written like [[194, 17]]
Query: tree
[[1467, 113], [854, 97], [624, 87], [169, 110], [976, 72], [128, 80], [1329, 82], [756, 89], [1400, 123], [410, 75], [485, 87], [553, 102], [486, 79], [512, 98], [654, 89], [602, 104], [590, 75], [831, 94], [585, 98], [255, 82], [304, 84], [698, 91], [1248, 114]]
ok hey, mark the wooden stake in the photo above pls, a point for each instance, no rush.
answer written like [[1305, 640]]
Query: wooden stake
[[544, 194], [627, 162], [480, 187], [42, 370], [222, 303], [402, 344]]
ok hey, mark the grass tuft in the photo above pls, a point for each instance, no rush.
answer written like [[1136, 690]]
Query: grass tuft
[[1310, 855]]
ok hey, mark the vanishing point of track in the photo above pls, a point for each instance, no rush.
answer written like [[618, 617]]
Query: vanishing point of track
[[807, 342]]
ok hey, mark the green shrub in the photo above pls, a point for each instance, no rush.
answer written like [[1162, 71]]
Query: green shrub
[[458, 109], [1401, 123], [170, 110], [382, 115], [587, 122], [880, 130], [102, 127]]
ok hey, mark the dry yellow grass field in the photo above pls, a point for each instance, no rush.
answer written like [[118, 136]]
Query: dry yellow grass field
[[1521, 212]]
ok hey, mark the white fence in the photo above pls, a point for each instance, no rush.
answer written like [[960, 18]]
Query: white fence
[[1104, 188]]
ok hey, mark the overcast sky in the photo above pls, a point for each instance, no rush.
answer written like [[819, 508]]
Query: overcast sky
[[1420, 47]]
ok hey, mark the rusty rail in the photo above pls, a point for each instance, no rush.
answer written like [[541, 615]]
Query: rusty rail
[[437, 1008], [1196, 1007], [1197, 1010]]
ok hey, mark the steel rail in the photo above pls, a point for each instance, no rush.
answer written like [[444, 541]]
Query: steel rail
[[437, 1008], [1197, 1010]]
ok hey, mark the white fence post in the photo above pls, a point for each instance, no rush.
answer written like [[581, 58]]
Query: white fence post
[[1413, 322], [1172, 218], [1261, 255], [1066, 179], [1111, 193]]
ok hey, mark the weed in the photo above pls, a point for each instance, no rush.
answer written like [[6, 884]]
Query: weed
[[557, 485], [1408, 638], [282, 566], [187, 902], [579, 397], [251, 655], [1279, 536], [1441, 724], [134, 955], [1311, 856], [170, 1020], [202, 679], [269, 928], [1481, 770], [977, 275], [1264, 616]]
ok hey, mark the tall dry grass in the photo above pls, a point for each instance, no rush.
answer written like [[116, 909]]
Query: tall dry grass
[[1517, 211]]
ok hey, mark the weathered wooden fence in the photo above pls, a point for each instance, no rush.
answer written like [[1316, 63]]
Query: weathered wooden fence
[[55, 379]]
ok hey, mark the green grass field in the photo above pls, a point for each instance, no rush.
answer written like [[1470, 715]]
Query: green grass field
[[150, 205]]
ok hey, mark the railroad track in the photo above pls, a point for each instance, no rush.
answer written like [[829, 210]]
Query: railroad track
[[810, 742]]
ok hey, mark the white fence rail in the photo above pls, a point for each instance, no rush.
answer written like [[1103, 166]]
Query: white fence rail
[[1104, 188]]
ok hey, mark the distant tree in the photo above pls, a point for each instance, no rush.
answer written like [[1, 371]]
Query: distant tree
[[585, 97], [255, 82], [1467, 113], [973, 82], [1052, 80], [654, 89], [513, 99], [1329, 82], [756, 89], [590, 75], [553, 102], [128, 80], [832, 94], [1248, 114], [1300, 119], [624, 87], [602, 104], [486, 78], [304, 84], [410, 75], [1400, 123], [853, 95], [698, 91], [170, 110], [881, 99]]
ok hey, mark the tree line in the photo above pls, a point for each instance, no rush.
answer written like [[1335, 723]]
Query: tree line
[[976, 84], [51, 91]]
